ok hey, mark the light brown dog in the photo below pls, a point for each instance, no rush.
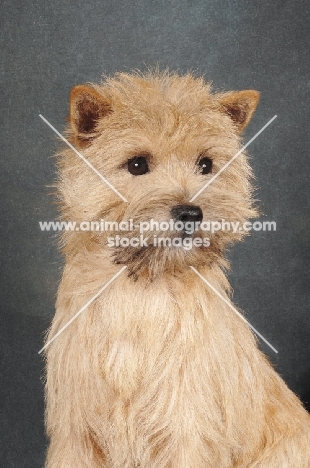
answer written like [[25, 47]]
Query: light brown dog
[[158, 371]]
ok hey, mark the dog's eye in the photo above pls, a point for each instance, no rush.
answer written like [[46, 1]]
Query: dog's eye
[[138, 165], [205, 165]]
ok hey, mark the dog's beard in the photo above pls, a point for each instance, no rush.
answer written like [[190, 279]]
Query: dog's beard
[[174, 254]]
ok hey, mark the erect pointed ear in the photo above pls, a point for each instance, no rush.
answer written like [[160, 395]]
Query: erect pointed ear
[[240, 106], [87, 106]]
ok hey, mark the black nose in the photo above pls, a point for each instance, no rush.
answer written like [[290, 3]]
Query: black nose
[[186, 213]]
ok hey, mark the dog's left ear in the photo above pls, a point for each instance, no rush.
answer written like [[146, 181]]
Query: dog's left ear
[[240, 106], [87, 106]]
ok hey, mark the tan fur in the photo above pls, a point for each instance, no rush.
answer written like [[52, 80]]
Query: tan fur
[[159, 372]]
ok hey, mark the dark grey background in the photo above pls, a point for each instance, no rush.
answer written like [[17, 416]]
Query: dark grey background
[[48, 47]]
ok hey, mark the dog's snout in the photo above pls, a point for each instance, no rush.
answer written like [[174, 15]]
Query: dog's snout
[[187, 213]]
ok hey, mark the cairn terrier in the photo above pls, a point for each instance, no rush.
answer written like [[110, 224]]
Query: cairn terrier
[[158, 371]]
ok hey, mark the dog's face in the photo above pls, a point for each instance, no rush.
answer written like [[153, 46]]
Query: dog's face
[[158, 140]]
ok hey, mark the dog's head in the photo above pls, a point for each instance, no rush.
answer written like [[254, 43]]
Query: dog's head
[[158, 139]]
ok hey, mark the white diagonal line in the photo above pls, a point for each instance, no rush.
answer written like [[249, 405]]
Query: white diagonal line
[[84, 159], [83, 308], [232, 159], [234, 309]]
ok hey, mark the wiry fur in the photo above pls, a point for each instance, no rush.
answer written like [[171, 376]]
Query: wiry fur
[[158, 372]]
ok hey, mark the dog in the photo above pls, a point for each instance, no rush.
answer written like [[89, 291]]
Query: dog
[[158, 371]]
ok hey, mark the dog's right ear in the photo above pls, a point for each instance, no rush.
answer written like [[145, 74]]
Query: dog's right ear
[[87, 106]]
